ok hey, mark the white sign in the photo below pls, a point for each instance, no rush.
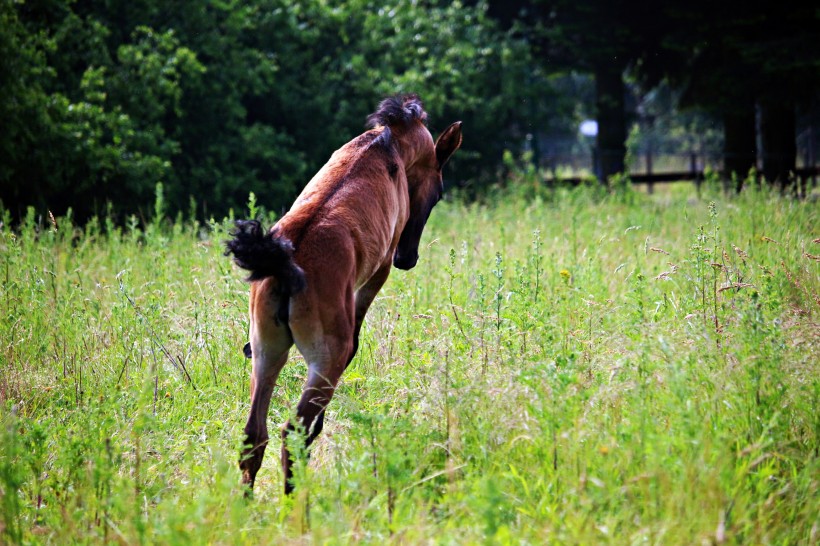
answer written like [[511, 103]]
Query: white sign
[[589, 127]]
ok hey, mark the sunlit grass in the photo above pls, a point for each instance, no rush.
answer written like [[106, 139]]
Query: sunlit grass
[[566, 367]]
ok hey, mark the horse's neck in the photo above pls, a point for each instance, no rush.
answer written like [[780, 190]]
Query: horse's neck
[[411, 144]]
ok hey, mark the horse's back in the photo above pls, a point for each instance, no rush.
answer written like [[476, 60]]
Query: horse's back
[[347, 217]]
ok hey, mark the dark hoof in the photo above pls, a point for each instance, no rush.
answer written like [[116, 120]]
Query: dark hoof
[[247, 350]]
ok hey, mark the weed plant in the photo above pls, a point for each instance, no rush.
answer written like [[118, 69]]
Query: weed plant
[[562, 366]]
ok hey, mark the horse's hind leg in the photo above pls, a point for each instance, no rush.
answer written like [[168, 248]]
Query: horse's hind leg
[[310, 413], [270, 342], [327, 347], [364, 297], [263, 379]]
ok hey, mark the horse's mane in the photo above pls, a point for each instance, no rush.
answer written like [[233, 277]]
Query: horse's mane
[[400, 110]]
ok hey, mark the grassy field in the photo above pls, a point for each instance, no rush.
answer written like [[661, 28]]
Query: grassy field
[[563, 368]]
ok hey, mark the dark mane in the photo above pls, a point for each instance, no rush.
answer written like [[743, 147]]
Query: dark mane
[[399, 110]]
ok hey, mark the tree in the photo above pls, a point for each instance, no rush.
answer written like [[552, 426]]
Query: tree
[[741, 58], [786, 51], [216, 100], [600, 37], [75, 143]]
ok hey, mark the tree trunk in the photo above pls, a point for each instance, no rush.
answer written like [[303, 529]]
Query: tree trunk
[[740, 143], [777, 136], [609, 102]]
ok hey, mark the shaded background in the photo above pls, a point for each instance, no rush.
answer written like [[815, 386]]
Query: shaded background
[[102, 100]]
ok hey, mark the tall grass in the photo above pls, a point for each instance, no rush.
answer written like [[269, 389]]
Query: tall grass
[[561, 367]]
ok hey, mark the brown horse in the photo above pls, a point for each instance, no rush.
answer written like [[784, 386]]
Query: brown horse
[[315, 273]]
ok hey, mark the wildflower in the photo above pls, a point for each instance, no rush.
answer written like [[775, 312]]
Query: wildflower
[[740, 252], [566, 275]]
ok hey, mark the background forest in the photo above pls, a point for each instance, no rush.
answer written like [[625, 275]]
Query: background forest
[[103, 100]]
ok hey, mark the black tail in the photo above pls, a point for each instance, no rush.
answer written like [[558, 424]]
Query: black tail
[[265, 255]]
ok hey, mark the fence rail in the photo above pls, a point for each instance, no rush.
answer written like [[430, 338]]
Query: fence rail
[[803, 174]]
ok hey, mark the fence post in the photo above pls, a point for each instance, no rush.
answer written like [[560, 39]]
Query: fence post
[[693, 168], [811, 158]]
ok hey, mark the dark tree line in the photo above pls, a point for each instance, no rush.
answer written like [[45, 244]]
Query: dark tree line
[[100, 101], [753, 65], [103, 100]]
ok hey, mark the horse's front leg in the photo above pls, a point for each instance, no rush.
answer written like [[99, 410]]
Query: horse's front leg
[[364, 297]]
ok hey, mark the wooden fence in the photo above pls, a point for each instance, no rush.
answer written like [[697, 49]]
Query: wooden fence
[[806, 177]]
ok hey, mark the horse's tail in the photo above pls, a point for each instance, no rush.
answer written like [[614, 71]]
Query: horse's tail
[[265, 255]]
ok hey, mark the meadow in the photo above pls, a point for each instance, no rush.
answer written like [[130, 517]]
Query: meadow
[[562, 367]]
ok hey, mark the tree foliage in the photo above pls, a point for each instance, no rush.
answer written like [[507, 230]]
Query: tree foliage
[[743, 58], [726, 58], [103, 100]]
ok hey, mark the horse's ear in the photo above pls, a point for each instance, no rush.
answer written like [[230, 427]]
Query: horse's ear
[[447, 143]]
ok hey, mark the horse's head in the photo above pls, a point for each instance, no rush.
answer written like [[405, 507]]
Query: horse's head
[[425, 184], [423, 161]]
